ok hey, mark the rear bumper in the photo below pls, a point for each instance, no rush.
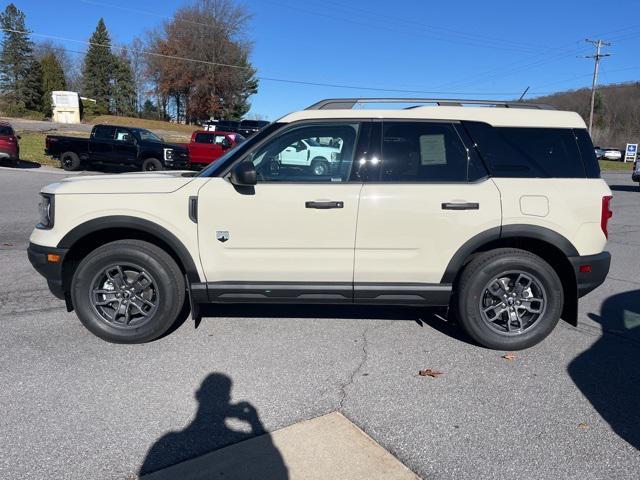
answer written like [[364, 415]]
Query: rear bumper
[[52, 271], [635, 176], [589, 280]]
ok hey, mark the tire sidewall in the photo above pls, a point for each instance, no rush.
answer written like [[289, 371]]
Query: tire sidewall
[[169, 296], [152, 161], [322, 161], [74, 161], [469, 301]]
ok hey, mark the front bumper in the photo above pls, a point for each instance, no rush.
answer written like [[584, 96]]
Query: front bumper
[[593, 272], [52, 271]]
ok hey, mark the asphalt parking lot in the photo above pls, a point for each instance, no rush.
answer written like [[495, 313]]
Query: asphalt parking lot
[[76, 407]]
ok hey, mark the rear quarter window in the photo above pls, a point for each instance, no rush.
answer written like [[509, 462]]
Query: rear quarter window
[[588, 153], [6, 130], [528, 152]]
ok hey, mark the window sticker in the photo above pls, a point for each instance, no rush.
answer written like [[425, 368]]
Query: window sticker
[[433, 150]]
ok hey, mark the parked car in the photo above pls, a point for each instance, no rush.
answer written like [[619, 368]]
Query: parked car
[[599, 153], [223, 125], [498, 215], [9, 146], [114, 145], [206, 147], [635, 174], [612, 154], [251, 127]]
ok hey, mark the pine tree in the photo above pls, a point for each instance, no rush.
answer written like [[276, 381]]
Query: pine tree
[[19, 72], [98, 67], [53, 79], [123, 87], [239, 104]]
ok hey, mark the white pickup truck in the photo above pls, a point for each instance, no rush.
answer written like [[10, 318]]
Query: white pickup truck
[[309, 153]]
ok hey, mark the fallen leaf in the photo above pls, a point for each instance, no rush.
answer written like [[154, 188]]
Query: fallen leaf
[[429, 373], [509, 356], [583, 425]]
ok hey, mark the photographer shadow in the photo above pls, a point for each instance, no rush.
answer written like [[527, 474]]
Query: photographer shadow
[[209, 432], [607, 373]]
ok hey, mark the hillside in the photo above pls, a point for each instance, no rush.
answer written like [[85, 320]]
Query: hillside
[[617, 111]]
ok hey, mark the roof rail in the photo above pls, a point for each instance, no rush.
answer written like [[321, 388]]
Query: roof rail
[[349, 103]]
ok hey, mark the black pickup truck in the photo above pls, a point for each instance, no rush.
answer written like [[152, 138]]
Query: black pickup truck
[[113, 145]]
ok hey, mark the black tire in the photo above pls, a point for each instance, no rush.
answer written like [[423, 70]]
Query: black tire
[[167, 291], [15, 162], [151, 165], [473, 295], [320, 166], [70, 161]]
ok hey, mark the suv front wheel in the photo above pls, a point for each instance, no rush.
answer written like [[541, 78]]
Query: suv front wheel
[[508, 299], [128, 291]]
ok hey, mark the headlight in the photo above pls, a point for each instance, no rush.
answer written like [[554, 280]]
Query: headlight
[[334, 156], [168, 154], [46, 209]]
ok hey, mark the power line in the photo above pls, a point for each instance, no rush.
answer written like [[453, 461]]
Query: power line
[[271, 79], [596, 57]]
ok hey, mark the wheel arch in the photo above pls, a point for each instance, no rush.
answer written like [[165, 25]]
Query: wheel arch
[[99, 231], [547, 244]]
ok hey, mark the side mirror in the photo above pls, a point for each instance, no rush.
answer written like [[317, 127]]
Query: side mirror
[[18, 137], [244, 174], [226, 144]]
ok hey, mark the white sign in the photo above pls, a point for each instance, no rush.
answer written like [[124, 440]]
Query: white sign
[[631, 153]]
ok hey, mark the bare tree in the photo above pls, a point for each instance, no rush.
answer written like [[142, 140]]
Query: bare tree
[[219, 78]]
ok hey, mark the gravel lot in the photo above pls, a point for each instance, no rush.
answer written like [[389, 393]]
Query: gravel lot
[[76, 407]]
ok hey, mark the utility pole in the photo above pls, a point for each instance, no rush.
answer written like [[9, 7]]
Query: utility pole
[[598, 55]]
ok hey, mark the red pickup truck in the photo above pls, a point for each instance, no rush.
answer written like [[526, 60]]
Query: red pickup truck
[[206, 147]]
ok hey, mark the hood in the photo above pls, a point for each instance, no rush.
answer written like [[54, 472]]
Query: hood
[[138, 182]]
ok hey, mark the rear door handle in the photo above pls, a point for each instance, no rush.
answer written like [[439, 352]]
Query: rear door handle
[[460, 206], [324, 205]]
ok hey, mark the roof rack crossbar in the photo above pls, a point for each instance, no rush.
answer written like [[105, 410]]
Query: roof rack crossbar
[[349, 103]]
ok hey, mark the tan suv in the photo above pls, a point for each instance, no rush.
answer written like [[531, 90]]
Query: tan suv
[[494, 209]]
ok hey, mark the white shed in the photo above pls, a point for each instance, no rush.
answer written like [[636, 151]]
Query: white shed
[[66, 107]]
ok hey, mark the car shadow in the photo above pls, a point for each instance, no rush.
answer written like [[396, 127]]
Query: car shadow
[[625, 188], [608, 373], [435, 318], [209, 432], [22, 165]]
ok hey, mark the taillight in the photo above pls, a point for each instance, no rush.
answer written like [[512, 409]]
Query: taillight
[[606, 214]]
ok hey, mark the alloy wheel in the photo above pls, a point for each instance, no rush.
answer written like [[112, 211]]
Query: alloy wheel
[[124, 296], [513, 302]]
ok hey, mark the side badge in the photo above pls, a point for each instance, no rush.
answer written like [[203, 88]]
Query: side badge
[[222, 235]]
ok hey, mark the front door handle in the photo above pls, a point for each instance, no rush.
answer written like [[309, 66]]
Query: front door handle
[[460, 206], [324, 205]]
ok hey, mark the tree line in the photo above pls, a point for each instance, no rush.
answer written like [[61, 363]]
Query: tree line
[[616, 111], [190, 68]]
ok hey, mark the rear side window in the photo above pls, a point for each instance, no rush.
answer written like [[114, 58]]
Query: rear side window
[[4, 130], [203, 138], [104, 132], [528, 152], [588, 153], [422, 152]]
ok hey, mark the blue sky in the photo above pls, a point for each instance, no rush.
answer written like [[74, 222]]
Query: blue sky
[[463, 48]]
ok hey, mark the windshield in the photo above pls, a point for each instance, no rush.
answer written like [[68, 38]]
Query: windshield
[[312, 142], [221, 163], [148, 136]]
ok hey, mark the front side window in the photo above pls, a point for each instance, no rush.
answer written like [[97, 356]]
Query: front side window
[[296, 155], [148, 136], [422, 152], [123, 135]]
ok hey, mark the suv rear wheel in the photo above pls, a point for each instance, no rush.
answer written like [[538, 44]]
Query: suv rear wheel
[[128, 291], [508, 299]]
